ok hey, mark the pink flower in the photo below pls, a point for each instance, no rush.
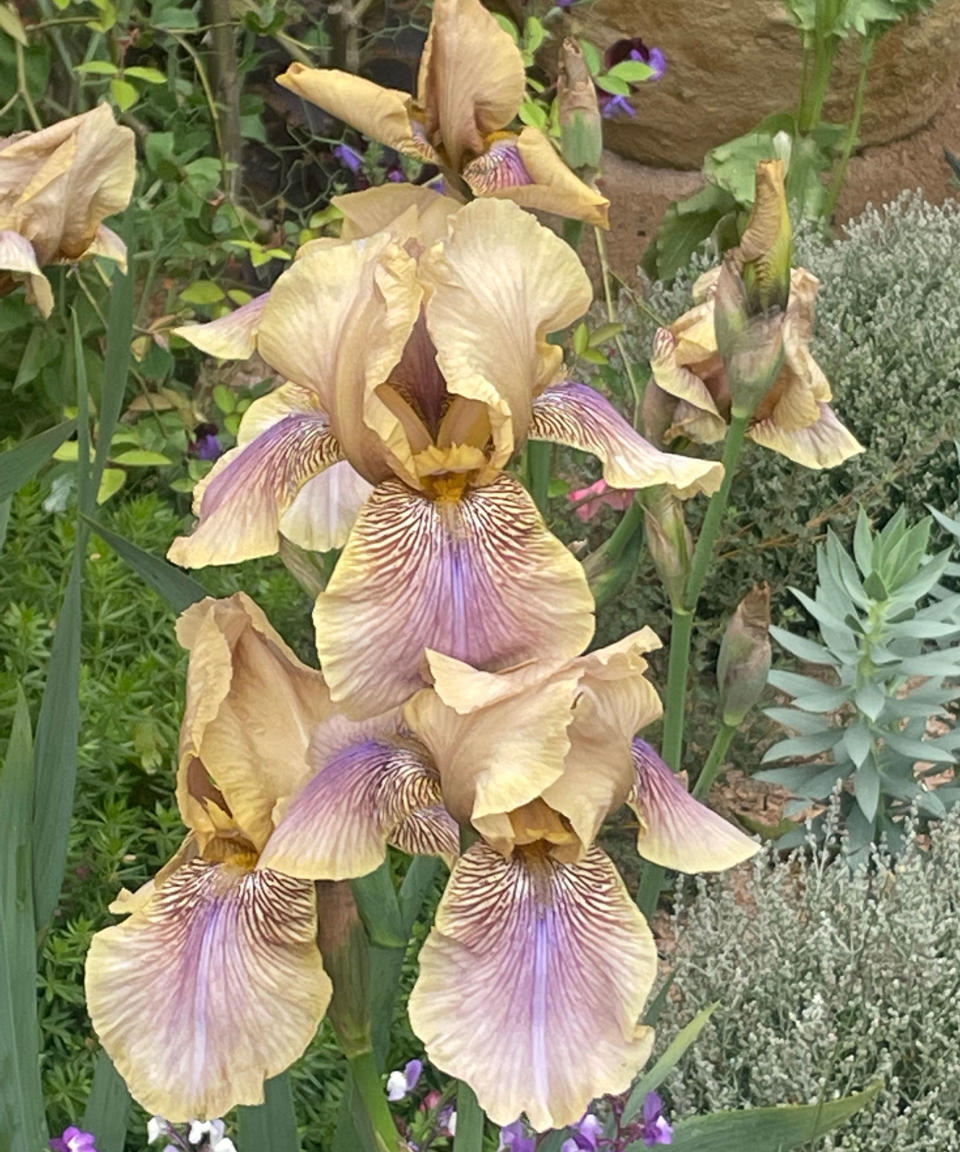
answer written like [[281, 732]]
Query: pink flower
[[596, 496]]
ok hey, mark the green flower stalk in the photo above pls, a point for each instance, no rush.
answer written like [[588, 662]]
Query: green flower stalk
[[346, 959]]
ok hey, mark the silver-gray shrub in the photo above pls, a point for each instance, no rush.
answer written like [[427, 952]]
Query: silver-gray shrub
[[828, 980], [888, 338]]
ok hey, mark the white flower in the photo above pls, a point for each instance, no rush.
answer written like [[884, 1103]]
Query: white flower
[[452, 1124], [212, 1129], [156, 1127], [396, 1086]]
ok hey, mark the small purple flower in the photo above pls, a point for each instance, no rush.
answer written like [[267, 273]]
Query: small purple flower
[[614, 104], [655, 1129], [348, 157], [401, 1084], [514, 1139], [586, 1135], [635, 49], [73, 1140], [205, 444], [564, 4]]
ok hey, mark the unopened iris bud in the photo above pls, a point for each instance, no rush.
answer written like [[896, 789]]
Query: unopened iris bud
[[744, 661], [766, 249], [668, 539], [581, 126], [343, 944]]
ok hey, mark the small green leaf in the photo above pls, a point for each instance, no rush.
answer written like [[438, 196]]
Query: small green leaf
[[142, 458], [224, 399], [531, 113], [633, 71], [96, 68], [866, 787], [857, 740], [147, 75], [123, 94], [870, 698], [613, 85], [202, 292], [604, 333], [111, 482], [812, 745], [11, 23], [581, 338], [803, 648]]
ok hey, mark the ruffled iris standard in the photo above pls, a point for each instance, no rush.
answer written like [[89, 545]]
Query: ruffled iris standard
[[419, 356]]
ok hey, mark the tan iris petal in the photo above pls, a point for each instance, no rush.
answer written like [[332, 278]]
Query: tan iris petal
[[231, 337], [17, 254], [381, 113], [532, 983], [471, 80], [576, 415], [677, 831], [518, 282], [823, 444], [284, 440], [376, 209], [209, 988], [337, 321], [674, 376], [250, 711], [355, 801], [480, 579], [536, 177]]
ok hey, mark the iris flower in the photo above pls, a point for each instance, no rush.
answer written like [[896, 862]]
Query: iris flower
[[691, 391], [214, 982], [56, 187], [536, 939], [469, 90], [424, 363]]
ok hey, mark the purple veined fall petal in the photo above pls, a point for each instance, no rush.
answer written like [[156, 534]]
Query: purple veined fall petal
[[480, 579], [471, 80], [251, 707], [212, 986], [380, 113], [356, 801], [323, 511], [284, 441], [230, 337], [677, 831], [527, 169], [578, 416], [554, 957], [822, 444], [517, 282]]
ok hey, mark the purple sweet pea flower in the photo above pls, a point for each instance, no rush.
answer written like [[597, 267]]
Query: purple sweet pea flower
[[635, 49], [655, 1129], [205, 444], [585, 1136], [514, 1139], [401, 1084], [614, 104], [348, 157], [73, 1140]]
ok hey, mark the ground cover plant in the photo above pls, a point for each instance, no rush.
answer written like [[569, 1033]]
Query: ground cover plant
[[372, 905]]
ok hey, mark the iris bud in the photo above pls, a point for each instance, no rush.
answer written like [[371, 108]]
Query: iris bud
[[668, 539], [581, 126], [744, 661], [346, 958]]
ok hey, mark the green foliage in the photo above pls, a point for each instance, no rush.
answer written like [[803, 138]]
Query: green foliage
[[865, 718], [828, 979]]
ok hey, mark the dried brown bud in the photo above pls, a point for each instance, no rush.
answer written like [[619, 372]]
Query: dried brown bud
[[745, 653], [581, 126], [343, 945]]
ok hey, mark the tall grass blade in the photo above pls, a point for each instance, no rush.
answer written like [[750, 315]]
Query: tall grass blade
[[22, 1126], [117, 359]]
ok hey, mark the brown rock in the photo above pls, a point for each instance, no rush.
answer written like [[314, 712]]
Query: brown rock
[[730, 63]]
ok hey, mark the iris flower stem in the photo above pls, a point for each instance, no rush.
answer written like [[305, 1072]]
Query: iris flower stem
[[714, 761], [363, 1068], [538, 463], [682, 632], [840, 175], [635, 390]]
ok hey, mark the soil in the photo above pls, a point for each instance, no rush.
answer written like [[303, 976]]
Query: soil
[[640, 194]]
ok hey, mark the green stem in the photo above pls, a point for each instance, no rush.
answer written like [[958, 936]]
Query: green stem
[[811, 108], [840, 175], [714, 761], [679, 660], [538, 460], [635, 389], [366, 1078]]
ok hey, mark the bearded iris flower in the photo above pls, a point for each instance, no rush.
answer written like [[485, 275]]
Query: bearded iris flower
[[419, 355], [56, 187], [536, 936], [470, 88], [214, 982]]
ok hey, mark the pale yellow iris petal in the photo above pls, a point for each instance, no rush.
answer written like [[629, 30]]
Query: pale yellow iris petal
[[471, 80], [536, 177], [380, 113], [250, 710], [378, 209], [337, 321], [480, 579], [673, 376], [230, 337], [496, 756], [17, 254], [356, 801], [576, 415], [108, 245], [284, 440], [518, 282], [323, 511], [823, 444], [209, 988], [677, 831], [532, 983]]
